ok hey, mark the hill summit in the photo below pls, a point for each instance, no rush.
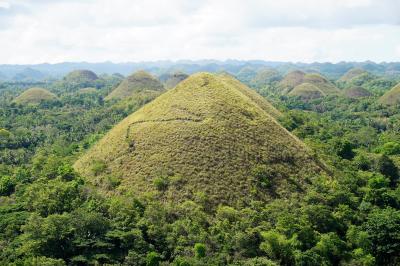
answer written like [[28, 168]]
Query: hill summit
[[138, 83], [34, 96], [81, 76], [391, 97], [211, 136]]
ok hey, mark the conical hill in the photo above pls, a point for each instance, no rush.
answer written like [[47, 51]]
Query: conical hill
[[139, 82], [34, 96], [208, 136]]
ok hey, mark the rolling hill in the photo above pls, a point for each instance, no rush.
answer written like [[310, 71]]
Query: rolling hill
[[327, 87], [34, 96], [391, 97], [351, 74], [291, 80], [174, 79], [356, 92], [139, 82], [306, 92], [209, 136], [81, 76]]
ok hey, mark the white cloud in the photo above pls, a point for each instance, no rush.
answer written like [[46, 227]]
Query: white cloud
[[126, 30], [4, 4]]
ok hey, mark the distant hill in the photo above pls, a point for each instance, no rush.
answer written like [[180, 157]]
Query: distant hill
[[173, 79], [265, 76], [138, 82], [29, 75], [210, 135], [356, 92], [352, 73], [81, 76], [34, 96], [327, 87], [307, 91], [291, 80], [391, 97]]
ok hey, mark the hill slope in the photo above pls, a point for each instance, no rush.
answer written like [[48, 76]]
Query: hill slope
[[291, 80], [391, 97], [307, 91], [352, 73], [206, 135], [356, 92], [138, 82], [34, 96], [321, 83]]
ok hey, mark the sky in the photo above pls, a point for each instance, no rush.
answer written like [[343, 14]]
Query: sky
[[38, 31]]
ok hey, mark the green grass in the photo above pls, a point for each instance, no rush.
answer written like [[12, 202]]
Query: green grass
[[138, 82], [307, 91], [210, 133], [34, 96], [356, 92], [391, 97], [80, 76]]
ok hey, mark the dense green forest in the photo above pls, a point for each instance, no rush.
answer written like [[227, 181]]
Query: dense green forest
[[51, 215]]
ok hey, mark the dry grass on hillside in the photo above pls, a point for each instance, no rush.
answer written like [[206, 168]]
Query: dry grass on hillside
[[209, 136]]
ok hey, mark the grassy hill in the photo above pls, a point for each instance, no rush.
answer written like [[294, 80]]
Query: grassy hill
[[264, 77], [174, 79], [307, 91], [351, 74], [138, 82], [391, 97], [321, 83], [209, 136], [81, 76], [291, 80], [356, 92], [34, 96]]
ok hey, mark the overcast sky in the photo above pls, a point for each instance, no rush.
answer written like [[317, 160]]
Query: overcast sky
[[37, 31]]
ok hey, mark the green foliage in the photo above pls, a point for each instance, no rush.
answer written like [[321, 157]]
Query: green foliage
[[272, 214], [390, 148], [153, 259], [199, 250], [7, 185]]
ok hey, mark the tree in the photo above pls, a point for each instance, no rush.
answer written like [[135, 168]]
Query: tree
[[387, 167], [7, 185], [199, 250]]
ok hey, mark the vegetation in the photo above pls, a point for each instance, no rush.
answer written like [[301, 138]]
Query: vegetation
[[228, 185]]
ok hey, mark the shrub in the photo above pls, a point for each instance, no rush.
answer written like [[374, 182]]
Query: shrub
[[7, 185], [153, 259], [199, 250], [161, 183]]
